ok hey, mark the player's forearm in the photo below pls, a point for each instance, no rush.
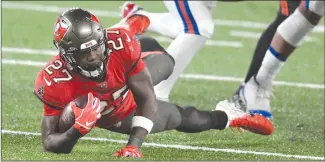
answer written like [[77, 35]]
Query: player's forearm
[[61, 142], [147, 107], [147, 110], [145, 98]]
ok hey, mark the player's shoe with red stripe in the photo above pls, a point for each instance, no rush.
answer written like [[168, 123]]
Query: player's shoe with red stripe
[[129, 8], [239, 119]]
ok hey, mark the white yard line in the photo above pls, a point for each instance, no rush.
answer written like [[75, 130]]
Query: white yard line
[[183, 147], [23, 62], [237, 79], [11, 50], [221, 43], [255, 25], [256, 35], [115, 14], [29, 51]]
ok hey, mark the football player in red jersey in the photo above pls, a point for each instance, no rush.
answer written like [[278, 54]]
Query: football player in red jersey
[[117, 70]]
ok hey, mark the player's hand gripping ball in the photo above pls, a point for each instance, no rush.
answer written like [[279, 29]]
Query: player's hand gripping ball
[[82, 113]]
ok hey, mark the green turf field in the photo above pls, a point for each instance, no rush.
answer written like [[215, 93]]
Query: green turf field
[[298, 111]]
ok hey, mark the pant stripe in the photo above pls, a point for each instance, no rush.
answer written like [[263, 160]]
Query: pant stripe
[[189, 22]]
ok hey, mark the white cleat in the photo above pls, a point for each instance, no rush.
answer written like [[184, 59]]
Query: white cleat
[[230, 108], [257, 97]]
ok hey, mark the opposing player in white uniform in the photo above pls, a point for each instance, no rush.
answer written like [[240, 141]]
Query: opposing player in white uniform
[[189, 23], [256, 92]]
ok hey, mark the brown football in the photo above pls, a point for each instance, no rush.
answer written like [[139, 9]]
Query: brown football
[[67, 117]]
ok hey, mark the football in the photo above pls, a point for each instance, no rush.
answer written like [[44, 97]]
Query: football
[[67, 118]]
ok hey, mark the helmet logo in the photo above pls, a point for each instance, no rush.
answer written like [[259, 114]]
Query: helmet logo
[[60, 29], [94, 18], [88, 44]]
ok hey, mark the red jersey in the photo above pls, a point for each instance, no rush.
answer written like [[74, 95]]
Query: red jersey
[[56, 86]]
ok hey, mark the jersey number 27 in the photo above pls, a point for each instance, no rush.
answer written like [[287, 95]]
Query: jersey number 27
[[57, 65]]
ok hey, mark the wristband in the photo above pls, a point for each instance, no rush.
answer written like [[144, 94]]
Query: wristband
[[141, 121]]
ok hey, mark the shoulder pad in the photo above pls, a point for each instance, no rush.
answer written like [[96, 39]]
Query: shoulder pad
[[53, 84]]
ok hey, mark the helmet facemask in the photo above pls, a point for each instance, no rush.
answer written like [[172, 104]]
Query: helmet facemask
[[94, 69], [90, 62]]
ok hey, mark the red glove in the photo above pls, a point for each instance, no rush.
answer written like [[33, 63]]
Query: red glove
[[128, 151], [86, 118]]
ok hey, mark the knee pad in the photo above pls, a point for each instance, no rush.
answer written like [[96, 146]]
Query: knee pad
[[294, 28], [316, 6]]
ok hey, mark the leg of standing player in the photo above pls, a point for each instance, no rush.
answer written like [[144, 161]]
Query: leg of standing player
[[189, 23], [288, 36], [197, 26], [170, 28], [286, 8]]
